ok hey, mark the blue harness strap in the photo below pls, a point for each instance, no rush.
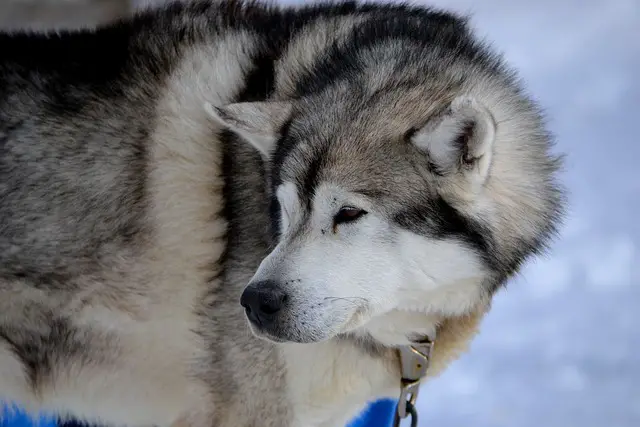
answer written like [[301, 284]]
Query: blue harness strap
[[13, 417], [378, 414]]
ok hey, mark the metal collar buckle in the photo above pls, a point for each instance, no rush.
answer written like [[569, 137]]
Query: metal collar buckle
[[414, 362]]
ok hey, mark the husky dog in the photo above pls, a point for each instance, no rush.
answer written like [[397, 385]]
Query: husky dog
[[234, 214]]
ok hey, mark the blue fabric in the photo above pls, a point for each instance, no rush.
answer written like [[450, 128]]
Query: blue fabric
[[16, 418], [378, 414]]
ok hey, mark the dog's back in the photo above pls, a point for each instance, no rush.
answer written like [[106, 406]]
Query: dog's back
[[73, 135]]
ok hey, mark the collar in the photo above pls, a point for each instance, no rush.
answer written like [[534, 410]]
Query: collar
[[414, 363]]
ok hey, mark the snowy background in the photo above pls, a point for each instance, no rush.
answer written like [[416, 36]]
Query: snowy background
[[561, 347]]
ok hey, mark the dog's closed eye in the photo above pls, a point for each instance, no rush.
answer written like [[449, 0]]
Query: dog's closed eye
[[347, 214]]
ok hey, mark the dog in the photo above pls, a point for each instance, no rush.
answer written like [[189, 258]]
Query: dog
[[235, 214]]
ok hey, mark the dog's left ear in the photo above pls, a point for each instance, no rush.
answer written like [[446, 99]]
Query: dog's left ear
[[257, 122], [460, 140]]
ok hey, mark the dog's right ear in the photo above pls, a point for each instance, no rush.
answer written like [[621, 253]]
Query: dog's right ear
[[460, 140], [257, 122]]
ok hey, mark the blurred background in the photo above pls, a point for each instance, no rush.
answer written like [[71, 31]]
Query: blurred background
[[561, 346]]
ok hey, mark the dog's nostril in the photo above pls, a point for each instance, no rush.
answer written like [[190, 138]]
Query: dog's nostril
[[273, 302], [269, 308]]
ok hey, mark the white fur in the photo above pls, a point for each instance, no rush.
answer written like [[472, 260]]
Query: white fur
[[289, 204], [328, 381], [438, 139], [353, 278]]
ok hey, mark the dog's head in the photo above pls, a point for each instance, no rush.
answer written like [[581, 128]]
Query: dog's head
[[401, 203]]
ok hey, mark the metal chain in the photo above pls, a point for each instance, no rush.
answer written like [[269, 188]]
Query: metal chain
[[411, 412]]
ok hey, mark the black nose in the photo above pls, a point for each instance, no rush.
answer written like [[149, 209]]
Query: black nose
[[262, 301]]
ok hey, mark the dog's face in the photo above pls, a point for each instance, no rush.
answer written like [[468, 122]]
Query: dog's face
[[363, 230], [370, 220], [345, 258]]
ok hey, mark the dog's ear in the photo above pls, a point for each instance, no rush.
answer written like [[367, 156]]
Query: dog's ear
[[257, 122], [459, 140]]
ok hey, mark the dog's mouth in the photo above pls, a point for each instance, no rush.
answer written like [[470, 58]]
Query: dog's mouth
[[289, 328], [281, 334], [261, 333]]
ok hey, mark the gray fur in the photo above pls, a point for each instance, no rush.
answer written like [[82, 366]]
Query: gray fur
[[131, 220]]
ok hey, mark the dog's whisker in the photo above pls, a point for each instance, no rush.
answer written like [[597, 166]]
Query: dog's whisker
[[352, 300]]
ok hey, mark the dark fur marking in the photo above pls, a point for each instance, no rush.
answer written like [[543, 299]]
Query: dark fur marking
[[68, 59], [425, 27], [436, 218], [310, 180], [284, 147], [41, 352], [274, 179], [259, 84]]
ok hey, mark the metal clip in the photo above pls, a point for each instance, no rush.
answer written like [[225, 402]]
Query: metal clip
[[414, 362]]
